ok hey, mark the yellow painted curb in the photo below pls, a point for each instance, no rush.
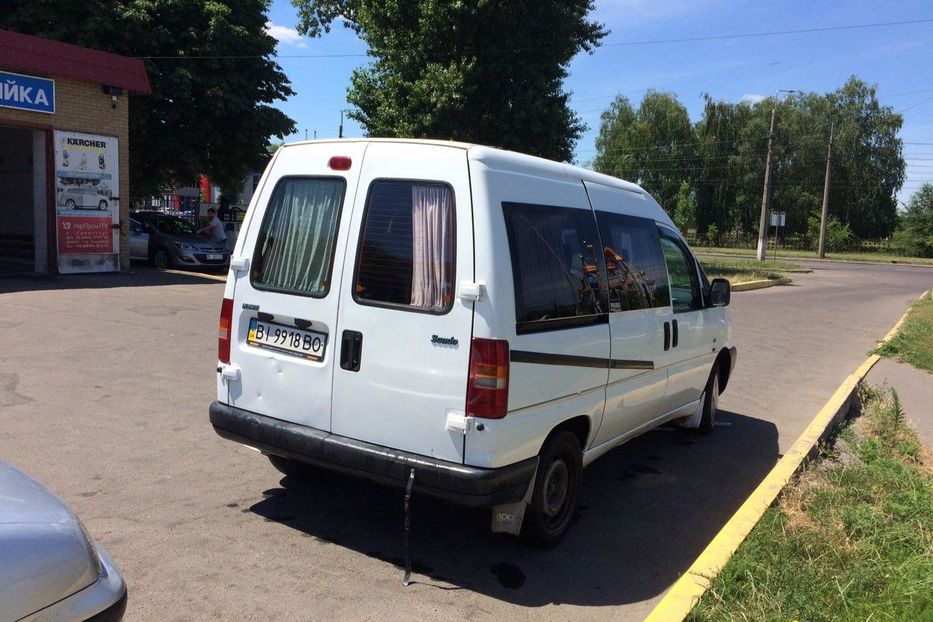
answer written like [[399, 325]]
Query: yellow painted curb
[[203, 275], [750, 285], [684, 594]]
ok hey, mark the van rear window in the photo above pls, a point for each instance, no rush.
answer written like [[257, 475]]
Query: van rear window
[[295, 249], [406, 254]]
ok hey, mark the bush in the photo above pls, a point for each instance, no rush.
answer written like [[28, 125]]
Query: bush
[[838, 236], [712, 235]]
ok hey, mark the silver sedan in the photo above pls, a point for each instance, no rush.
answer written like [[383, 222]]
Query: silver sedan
[[50, 568]]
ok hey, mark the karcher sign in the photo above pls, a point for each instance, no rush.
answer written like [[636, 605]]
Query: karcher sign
[[27, 92]]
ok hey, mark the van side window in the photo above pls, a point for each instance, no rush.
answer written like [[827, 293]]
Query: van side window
[[685, 288], [634, 262], [406, 253], [556, 269], [295, 248]]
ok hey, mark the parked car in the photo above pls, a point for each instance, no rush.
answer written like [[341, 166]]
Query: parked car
[[489, 321], [82, 198], [50, 568], [170, 241]]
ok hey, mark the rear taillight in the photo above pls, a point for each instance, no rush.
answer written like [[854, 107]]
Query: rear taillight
[[223, 330], [488, 388]]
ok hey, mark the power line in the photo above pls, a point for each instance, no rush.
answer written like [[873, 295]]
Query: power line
[[748, 35]]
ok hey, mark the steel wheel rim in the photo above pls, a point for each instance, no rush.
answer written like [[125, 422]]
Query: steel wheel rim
[[556, 488], [714, 399]]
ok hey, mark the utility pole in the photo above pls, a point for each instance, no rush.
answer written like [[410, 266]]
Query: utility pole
[[766, 195], [340, 132], [825, 216]]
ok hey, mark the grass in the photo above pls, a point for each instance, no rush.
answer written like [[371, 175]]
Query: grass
[[744, 270], [913, 343], [850, 539], [797, 254]]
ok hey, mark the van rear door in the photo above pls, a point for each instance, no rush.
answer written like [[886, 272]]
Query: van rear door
[[285, 304], [404, 336]]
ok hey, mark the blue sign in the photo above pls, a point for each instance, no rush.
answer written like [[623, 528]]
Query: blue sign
[[27, 92]]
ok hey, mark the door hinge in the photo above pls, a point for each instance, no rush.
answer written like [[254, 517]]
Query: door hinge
[[239, 264], [470, 291], [458, 421], [229, 373]]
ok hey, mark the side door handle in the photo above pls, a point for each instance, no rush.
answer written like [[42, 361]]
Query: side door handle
[[667, 336], [351, 347], [674, 340]]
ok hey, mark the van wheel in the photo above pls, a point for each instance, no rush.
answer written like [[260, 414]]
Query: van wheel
[[160, 259], [102, 205], [293, 468], [710, 403], [70, 204], [556, 494]]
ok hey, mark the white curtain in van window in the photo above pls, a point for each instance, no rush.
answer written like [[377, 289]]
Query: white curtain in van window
[[432, 245], [299, 235]]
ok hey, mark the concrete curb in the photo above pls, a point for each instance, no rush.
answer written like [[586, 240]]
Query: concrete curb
[[690, 587], [792, 258], [751, 285]]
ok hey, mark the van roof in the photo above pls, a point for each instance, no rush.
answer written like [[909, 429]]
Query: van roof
[[498, 158]]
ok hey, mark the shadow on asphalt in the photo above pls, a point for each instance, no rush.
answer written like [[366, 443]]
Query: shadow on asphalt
[[139, 276], [648, 510]]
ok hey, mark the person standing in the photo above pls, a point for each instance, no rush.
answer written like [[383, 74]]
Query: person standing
[[214, 227]]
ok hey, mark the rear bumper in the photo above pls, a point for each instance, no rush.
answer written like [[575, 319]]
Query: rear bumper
[[462, 484]]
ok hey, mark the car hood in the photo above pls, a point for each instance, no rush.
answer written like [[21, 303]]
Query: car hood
[[44, 552]]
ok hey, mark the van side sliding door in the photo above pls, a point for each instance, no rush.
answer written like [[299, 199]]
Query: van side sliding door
[[638, 309]]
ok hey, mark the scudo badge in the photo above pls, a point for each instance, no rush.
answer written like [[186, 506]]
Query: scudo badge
[[444, 341]]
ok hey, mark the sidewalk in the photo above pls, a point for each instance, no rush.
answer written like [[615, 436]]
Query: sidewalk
[[915, 391]]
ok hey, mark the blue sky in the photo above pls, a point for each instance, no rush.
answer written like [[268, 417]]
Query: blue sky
[[899, 59]]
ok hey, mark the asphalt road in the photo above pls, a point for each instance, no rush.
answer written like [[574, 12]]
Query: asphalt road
[[104, 387]]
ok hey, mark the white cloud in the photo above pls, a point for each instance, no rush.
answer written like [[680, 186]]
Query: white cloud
[[752, 98], [284, 34]]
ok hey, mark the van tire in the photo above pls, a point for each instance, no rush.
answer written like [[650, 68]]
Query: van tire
[[710, 403], [558, 482], [293, 468]]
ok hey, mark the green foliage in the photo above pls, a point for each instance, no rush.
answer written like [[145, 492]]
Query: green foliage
[[838, 235], [205, 115], [685, 212], [652, 146], [913, 342], [712, 234], [722, 157], [850, 539], [485, 72], [914, 237]]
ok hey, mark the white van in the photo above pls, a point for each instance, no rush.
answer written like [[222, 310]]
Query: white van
[[492, 320]]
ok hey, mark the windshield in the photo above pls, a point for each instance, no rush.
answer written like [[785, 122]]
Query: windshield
[[173, 226]]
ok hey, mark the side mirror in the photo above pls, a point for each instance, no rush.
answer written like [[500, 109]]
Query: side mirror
[[720, 293]]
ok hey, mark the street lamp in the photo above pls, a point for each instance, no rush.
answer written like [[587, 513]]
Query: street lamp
[[766, 195]]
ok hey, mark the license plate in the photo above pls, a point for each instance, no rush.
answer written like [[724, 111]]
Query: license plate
[[307, 344], [215, 257]]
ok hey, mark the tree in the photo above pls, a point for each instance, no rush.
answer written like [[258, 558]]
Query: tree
[[653, 146], [486, 72], [209, 64], [915, 235]]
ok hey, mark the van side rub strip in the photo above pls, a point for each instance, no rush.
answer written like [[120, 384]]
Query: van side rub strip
[[545, 358]]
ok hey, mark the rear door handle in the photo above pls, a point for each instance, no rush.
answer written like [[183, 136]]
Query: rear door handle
[[351, 347], [667, 336], [674, 340]]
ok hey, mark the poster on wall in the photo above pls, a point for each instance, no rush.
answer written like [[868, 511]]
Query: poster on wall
[[87, 187]]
